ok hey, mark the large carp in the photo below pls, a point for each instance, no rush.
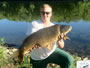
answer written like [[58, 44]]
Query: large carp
[[43, 38]]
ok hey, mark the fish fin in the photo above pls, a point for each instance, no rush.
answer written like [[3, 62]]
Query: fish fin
[[65, 38], [15, 53], [49, 47]]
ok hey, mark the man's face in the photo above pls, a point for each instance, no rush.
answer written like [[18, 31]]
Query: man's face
[[46, 13]]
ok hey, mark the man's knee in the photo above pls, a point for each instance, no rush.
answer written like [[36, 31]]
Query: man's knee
[[70, 60]]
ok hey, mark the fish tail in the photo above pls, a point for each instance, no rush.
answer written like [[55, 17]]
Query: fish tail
[[20, 57]]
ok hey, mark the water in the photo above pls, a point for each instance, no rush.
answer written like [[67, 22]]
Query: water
[[80, 38], [15, 31]]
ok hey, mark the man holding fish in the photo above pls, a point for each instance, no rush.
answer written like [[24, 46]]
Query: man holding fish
[[40, 57]]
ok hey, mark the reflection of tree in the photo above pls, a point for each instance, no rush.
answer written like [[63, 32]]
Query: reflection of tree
[[62, 10]]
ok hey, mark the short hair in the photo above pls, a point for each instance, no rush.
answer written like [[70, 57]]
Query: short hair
[[45, 5]]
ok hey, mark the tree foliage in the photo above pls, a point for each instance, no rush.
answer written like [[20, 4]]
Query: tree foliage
[[62, 10]]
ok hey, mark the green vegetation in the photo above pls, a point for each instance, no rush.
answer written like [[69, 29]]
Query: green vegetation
[[7, 62], [2, 41], [62, 10], [3, 58]]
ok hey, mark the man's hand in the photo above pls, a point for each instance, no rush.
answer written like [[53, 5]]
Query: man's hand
[[61, 36], [60, 41]]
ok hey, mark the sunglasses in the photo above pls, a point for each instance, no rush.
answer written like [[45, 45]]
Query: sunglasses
[[42, 12]]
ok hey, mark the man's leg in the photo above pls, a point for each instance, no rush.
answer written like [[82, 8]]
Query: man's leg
[[38, 64], [61, 58]]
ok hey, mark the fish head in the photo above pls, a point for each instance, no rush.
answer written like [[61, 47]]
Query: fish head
[[65, 29]]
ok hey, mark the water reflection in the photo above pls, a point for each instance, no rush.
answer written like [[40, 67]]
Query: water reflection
[[15, 31]]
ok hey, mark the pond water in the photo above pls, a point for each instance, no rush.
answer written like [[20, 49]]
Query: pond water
[[15, 31]]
